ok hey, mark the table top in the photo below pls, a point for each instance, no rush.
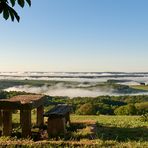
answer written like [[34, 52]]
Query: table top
[[22, 102]]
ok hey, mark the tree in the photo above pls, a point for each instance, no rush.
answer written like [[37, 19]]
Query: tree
[[129, 109], [86, 109], [7, 8]]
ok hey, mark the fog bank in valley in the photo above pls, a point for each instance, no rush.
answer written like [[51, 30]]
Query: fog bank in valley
[[75, 84], [60, 90]]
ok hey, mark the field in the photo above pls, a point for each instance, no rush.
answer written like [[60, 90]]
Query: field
[[88, 128], [92, 131], [140, 87]]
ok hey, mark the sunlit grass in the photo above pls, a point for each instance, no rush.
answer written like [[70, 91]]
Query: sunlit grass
[[117, 121], [111, 131], [141, 87], [16, 117]]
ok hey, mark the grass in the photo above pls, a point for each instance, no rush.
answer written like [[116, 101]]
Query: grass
[[92, 131], [113, 121], [118, 128], [140, 87]]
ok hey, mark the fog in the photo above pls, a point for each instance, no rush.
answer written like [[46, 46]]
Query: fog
[[75, 76], [59, 90], [84, 86]]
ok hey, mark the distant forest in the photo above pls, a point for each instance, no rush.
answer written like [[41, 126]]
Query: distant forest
[[102, 105]]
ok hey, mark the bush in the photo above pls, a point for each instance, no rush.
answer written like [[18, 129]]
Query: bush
[[86, 109], [129, 109], [144, 118], [142, 108], [104, 109]]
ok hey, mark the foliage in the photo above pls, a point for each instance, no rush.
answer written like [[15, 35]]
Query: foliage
[[140, 87], [104, 109], [144, 118], [86, 109], [105, 105], [142, 107], [129, 109], [7, 8]]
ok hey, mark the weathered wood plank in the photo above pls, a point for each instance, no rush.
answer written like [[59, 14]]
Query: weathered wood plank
[[59, 110], [56, 126], [1, 118], [40, 118], [7, 123], [22, 102], [57, 119], [26, 123]]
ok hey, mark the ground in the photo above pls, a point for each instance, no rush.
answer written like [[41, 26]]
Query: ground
[[91, 131], [140, 87]]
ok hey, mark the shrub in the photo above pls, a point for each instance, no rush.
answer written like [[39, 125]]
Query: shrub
[[144, 118], [104, 109], [142, 107], [86, 109], [129, 109]]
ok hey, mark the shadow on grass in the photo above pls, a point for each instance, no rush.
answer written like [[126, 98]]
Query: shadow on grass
[[122, 134], [78, 131], [75, 131]]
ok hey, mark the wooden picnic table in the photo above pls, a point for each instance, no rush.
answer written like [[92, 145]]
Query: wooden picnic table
[[24, 103]]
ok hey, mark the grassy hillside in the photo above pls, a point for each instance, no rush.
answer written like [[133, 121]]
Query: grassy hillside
[[140, 87], [93, 131], [87, 130]]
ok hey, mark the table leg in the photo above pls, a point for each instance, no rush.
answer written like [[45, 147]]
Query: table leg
[[25, 117], [1, 116], [40, 118], [67, 118], [7, 123]]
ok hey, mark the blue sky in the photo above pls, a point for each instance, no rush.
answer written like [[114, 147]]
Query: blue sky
[[77, 35]]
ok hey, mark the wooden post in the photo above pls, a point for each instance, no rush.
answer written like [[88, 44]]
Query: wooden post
[[40, 118], [25, 117], [21, 117], [7, 122], [67, 117], [1, 116], [56, 126]]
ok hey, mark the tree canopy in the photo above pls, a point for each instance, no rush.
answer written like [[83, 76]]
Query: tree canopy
[[7, 8]]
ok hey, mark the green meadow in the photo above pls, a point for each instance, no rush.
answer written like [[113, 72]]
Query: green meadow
[[88, 131], [140, 87]]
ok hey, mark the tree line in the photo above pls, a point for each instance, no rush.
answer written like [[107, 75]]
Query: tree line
[[102, 105], [106, 105]]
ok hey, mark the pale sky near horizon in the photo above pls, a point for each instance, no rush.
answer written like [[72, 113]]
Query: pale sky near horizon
[[77, 35]]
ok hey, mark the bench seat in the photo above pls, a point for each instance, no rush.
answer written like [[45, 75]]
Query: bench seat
[[58, 117], [58, 111]]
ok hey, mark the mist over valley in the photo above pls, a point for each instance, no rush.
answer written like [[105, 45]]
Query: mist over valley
[[75, 84]]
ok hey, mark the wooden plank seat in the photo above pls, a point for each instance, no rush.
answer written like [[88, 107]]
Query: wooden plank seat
[[58, 117]]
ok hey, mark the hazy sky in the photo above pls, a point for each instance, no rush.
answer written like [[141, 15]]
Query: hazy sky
[[77, 35]]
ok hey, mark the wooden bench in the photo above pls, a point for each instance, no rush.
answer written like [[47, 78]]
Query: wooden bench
[[58, 117]]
